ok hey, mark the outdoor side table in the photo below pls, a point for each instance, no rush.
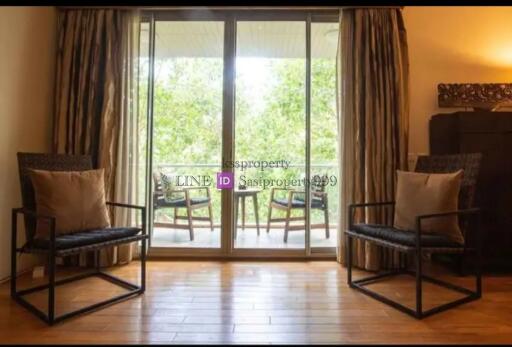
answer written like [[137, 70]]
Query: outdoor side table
[[240, 195]]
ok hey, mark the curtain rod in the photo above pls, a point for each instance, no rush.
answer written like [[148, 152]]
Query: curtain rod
[[248, 8], [205, 7]]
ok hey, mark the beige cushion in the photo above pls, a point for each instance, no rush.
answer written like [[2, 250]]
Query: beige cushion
[[75, 198], [424, 193]]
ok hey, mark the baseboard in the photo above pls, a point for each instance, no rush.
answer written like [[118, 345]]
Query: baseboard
[[18, 274]]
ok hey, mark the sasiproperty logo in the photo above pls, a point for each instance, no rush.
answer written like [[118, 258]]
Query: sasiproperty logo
[[225, 180]]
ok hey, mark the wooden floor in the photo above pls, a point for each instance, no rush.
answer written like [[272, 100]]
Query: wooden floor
[[258, 302]]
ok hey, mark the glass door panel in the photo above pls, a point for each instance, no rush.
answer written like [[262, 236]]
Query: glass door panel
[[186, 131], [324, 132], [270, 136]]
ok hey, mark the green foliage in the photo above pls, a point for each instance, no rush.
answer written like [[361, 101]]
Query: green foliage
[[187, 123]]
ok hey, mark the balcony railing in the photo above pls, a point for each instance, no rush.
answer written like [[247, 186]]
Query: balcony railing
[[326, 165]]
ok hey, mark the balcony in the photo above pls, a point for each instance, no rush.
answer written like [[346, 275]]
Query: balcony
[[165, 235]]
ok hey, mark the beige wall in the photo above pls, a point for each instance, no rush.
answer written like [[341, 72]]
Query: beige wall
[[453, 44], [27, 58], [446, 44]]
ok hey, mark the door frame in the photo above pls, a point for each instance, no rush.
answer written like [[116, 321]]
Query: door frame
[[230, 19]]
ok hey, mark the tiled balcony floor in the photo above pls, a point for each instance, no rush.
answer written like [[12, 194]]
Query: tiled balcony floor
[[248, 238]]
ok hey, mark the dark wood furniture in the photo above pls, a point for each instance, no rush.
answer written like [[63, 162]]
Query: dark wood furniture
[[295, 200], [491, 134], [240, 196], [185, 201], [69, 244], [414, 243]]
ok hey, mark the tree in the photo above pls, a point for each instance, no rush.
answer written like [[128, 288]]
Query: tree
[[187, 119]]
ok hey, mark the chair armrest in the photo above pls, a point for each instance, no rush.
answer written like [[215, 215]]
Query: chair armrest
[[322, 194], [117, 204], [34, 214], [469, 211], [274, 189], [21, 210], [292, 192], [195, 188], [352, 207], [474, 210], [370, 204], [142, 209]]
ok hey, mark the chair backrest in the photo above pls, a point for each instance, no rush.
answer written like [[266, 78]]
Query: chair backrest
[[470, 163], [43, 161], [157, 183], [318, 183], [158, 190]]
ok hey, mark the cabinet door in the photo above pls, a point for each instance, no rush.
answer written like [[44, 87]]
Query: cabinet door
[[494, 193]]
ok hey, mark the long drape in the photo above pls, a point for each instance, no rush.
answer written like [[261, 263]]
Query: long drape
[[96, 99], [372, 79]]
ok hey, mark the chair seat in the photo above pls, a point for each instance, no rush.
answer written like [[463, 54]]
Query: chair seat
[[182, 202], [402, 237], [298, 203], [86, 238]]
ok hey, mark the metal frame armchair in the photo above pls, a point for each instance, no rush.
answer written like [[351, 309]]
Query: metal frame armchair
[[70, 244], [187, 202], [416, 243]]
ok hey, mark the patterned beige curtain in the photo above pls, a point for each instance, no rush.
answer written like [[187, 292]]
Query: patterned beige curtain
[[95, 99], [373, 120], [127, 180]]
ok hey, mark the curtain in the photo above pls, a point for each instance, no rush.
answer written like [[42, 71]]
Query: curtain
[[96, 102], [373, 111], [126, 186]]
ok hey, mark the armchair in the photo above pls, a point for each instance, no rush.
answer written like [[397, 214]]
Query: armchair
[[416, 243], [68, 244], [181, 197]]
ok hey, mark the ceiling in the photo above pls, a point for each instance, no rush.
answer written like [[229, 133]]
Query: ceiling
[[270, 39]]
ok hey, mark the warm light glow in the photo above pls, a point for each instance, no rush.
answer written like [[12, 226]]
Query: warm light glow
[[497, 52], [503, 55]]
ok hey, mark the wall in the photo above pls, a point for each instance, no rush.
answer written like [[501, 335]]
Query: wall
[[453, 44], [27, 59]]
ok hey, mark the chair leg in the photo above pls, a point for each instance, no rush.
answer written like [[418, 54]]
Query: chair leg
[[243, 212], [269, 217], [14, 235], [348, 260], [210, 215], [235, 231], [97, 260], [461, 264], [143, 266], [287, 224], [419, 312], [190, 227], [255, 204], [51, 286], [326, 221], [479, 257]]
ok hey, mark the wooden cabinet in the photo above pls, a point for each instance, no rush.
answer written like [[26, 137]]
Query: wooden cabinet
[[491, 134]]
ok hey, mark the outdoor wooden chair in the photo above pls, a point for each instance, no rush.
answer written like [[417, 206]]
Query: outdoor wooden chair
[[415, 243], [295, 200], [68, 244], [181, 198]]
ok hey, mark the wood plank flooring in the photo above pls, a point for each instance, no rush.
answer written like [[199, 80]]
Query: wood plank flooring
[[258, 302]]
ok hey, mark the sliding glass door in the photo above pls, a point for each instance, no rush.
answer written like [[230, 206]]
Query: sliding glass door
[[323, 136], [270, 141], [186, 132], [242, 129]]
